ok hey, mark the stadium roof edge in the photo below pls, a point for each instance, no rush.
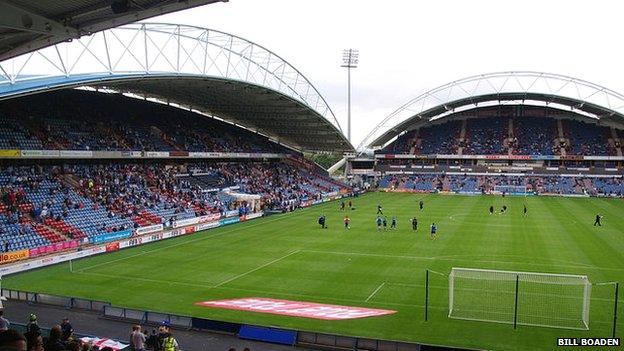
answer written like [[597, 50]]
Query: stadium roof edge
[[222, 67], [26, 26], [577, 96]]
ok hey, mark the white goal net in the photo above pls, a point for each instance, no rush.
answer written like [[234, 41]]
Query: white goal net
[[537, 299]]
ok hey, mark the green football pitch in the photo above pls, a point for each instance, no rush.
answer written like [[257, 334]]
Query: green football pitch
[[289, 257]]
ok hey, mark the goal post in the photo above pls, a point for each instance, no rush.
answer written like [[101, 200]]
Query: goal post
[[535, 299]]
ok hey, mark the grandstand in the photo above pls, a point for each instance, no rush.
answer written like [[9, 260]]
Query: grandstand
[[121, 143], [560, 145]]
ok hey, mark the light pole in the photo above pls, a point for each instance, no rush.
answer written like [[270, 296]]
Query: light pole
[[349, 60]]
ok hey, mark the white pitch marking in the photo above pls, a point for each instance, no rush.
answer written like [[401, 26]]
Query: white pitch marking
[[449, 258], [374, 292], [178, 244], [257, 268]]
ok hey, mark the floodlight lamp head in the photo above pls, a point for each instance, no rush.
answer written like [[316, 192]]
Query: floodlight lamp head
[[350, 58]]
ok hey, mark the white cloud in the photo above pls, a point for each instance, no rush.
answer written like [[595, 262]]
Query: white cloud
[[407, 47]]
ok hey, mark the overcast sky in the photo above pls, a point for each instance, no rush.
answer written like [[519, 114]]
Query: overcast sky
[[408, 46]]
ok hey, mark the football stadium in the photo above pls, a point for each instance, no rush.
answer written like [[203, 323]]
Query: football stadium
[[159, 191]]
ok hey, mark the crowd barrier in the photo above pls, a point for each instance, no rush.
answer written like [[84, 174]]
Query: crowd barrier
[[55, 300], [147, 317]]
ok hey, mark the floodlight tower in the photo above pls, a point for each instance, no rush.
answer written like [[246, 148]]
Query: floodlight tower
[[349, 61]]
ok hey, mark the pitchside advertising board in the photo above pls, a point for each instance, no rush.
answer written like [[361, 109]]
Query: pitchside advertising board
[[110, 246], [102, 238], [202, 219], [14, 256]]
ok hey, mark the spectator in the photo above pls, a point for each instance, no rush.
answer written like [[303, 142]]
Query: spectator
[[137, 339], [33, 332], [4, 323], [67, 329], [54, 341], [35, 344], [169, 343], [12, 340], [152, 341]]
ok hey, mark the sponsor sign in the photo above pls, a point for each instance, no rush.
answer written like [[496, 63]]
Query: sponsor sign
[[10, 153], [184, 222], [499, 157], [157, 154], [51, 153], [130, 242], [13, 256], [296, 308], [102, 238], [110, 247], [254, 215], [76, 153], [205, 154], [149, 229], [42, 250], [204, 226], [227, 221], [153, 237], [231, 213], [32, 153], [209, 218], [363, 171], [189, 230], [267, 155], [172, 233], [131, 154]]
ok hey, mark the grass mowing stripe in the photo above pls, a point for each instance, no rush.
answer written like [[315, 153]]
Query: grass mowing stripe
[[451, 258], [257, 268], [186, 242], [266, 292], [172, 278]]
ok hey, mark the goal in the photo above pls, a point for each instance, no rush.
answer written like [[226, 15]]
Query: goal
[[536, 299]]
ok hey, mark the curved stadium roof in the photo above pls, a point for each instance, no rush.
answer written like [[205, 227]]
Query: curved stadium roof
[[502, 88], [27, 25], [209, 71]]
